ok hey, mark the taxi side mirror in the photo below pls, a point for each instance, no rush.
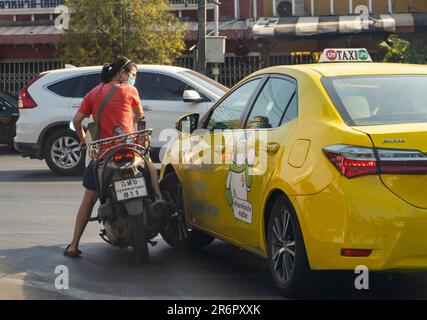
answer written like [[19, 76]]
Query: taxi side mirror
[[187, 123]]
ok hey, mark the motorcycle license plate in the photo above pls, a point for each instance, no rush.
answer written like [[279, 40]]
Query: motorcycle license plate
[[129, 189]]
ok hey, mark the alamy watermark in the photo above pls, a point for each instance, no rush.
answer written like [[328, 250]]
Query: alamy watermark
[[249, 148], [63, 278], [62, 22], [362, 280], [363, 16]]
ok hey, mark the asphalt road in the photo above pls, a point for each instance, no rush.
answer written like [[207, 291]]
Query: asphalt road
[[37, 211]]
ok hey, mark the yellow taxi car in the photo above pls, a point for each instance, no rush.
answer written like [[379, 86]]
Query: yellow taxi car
[[315, 167]]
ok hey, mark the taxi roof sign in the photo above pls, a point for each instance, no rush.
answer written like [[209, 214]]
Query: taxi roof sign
[[345, 55]]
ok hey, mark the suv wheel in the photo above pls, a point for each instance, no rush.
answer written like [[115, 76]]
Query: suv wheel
[[63, 154]]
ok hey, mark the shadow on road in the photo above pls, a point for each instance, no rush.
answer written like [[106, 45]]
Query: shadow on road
[[7, 150], [34, 176], [105, 272], [220, 271]]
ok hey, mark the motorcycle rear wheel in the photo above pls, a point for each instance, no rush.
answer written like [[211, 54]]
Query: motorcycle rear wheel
[[139, 239]]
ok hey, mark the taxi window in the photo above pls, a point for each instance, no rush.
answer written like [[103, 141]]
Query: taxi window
[[292, 110], [380, 99], [229, 113], [271, 104]]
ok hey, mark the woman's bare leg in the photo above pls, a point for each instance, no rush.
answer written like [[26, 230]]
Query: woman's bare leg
[[83, 216]]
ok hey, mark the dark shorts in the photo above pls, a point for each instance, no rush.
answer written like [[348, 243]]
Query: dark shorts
[[89, 180]]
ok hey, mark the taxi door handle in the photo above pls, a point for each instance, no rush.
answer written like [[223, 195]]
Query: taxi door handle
[[272, 148], [147, 109], [75, 106]]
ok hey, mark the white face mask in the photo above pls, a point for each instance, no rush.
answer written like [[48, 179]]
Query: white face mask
[[131, 80]]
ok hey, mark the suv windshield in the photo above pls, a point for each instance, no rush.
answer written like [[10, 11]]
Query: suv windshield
[[379, 99]]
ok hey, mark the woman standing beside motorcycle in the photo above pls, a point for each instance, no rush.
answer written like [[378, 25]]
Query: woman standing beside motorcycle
[[122, 110]]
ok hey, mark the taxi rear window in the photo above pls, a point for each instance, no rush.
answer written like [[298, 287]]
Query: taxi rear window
[[379, 99]]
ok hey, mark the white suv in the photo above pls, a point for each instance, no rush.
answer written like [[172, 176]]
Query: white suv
[[49, 101]]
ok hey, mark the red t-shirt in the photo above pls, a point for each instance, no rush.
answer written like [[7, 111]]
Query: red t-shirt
[[117, 117]]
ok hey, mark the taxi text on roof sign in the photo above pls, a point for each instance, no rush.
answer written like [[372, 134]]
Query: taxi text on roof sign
[[345, 55]]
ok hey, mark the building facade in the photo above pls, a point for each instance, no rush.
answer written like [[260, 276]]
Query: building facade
[[260, 33], [295, 31]]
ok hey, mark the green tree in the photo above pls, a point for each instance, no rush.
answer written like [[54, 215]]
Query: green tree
[[100, 30], [400, 50]]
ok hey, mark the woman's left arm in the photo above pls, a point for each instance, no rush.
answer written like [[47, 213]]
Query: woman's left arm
[[78, 126], [138, 113]]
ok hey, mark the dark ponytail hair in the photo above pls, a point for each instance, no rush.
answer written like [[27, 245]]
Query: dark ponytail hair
[[109, 70]]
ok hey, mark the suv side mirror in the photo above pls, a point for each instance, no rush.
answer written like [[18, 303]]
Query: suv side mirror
[[187, 123], [191, 96]]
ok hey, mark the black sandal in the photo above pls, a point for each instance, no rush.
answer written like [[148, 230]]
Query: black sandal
[[72, 254]]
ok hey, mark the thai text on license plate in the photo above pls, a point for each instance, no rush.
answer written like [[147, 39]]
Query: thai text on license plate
[[129, 189]]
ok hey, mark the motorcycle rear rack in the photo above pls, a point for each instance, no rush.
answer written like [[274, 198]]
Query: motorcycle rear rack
[[128, 140]]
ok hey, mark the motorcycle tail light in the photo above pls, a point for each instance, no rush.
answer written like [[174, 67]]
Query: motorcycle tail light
[[124, 156]]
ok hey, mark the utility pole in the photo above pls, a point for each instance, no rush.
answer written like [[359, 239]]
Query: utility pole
[[201, 37], [216, 14]]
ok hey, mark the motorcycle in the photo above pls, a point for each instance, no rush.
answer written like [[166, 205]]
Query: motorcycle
[[129, 211]]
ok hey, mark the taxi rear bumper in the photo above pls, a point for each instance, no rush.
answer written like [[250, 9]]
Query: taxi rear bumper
[[362, 213]]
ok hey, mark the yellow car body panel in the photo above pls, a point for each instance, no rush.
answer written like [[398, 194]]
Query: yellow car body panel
[[334, 212]]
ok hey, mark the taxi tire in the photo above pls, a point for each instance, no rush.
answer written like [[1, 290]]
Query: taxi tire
[[302, 278], [195, 239]]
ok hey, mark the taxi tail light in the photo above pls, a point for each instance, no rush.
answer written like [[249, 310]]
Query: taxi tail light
[[25, 99], [354, 161], [402, 161]]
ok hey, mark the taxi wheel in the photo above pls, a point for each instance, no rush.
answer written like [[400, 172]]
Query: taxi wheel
[[176, 232], [287, 257]]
